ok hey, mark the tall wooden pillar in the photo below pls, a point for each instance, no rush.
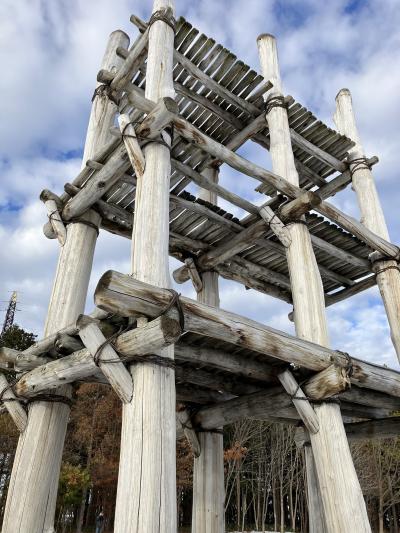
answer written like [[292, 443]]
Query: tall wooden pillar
[[387, 271], [343, 502], [316, 516], [146, 494], [208, 514], [32, 493]]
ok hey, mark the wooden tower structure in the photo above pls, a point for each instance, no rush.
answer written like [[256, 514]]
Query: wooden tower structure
[[184, 105]]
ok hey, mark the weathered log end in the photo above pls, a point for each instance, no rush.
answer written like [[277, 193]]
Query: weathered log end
[[327, 383]]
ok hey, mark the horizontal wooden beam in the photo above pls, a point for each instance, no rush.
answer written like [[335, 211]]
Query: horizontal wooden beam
[[157, 334], [123, 295], [385, 428], [317, 152]]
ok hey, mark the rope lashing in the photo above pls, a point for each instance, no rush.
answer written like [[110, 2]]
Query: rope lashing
[[389, 267], [148, 358], [274, 101], [104, 89], [294, 396], [166, 16], [78, 220], [360, 163], [145, 140], [51, 398], [349, 365]]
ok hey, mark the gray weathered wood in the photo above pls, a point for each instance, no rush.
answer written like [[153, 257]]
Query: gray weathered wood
[[343, 503], [183, 419], [388, 279], [327, 383], [122, 294], [299, 399], [13, 406], [146, 493], [109, 362]]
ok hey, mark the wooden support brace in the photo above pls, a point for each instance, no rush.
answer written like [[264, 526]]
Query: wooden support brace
[[108, 360], [52, 203], [132, 144], [276, 225], [194, 274], [13, 406], [183, 419], [300, 401]]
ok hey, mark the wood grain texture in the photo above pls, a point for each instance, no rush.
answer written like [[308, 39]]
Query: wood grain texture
[[122, 294], [343, 503], [146, 493], [109, 362], [31, 506], [208, 514], [372, 216]]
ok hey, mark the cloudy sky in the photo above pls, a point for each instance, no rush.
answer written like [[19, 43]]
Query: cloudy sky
[[50, 52]]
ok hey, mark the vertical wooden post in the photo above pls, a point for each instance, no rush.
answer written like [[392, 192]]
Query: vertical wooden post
[[344, 506], [316, 518], [32, 493], [146, 494], [208, 514], [387, 271]]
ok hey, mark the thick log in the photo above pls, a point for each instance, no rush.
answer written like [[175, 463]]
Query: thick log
[[254, 405], [146, 493], [327, 383], [108, 360], [340, 182], [31, 506], [340, 491], [230, 362], [299, 206], [13, 406], [387, 272], [208, 470], [157, 334], [299, 399], [66, 344], [124, 295]]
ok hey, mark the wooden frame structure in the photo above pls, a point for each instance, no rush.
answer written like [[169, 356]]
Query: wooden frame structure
[[185, 104]]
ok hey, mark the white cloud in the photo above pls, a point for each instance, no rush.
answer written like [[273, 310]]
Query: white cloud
[[50, 53]]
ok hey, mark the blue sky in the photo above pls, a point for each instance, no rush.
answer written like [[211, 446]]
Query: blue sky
[[50, 53]]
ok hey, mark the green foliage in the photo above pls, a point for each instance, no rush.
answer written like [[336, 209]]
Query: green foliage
[[73, 481], [17, 338]]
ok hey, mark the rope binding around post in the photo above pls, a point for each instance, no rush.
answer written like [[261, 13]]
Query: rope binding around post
[[275, 101]]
